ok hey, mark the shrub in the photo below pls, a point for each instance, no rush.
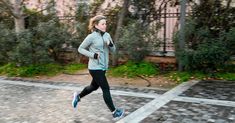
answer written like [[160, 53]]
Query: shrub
[[230, 40], [135, 40], [209, 37], [40, 45], [207, 57], [7, 43]]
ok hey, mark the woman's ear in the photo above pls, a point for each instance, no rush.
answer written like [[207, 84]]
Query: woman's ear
[[95, 25]]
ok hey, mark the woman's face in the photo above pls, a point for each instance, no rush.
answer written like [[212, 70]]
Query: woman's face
[[101, 25]]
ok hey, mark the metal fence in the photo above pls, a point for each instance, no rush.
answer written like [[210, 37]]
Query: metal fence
[[168, 18]]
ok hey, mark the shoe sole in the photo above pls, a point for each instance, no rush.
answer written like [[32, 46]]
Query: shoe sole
[[118, 118]]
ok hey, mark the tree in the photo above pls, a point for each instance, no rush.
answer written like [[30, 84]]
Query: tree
[[208, 32], [16, 8], [121, 17]]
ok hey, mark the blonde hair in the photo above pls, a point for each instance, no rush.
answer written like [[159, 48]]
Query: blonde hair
[[95, 20]]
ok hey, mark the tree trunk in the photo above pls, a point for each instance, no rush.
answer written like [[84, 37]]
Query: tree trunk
[[18, 15], [19, 24], [118, 29]]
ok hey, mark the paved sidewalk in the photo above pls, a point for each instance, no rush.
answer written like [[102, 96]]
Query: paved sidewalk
[[50, 102]]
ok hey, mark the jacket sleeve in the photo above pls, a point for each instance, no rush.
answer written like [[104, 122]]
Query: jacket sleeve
[[84, 46], [112, 47]]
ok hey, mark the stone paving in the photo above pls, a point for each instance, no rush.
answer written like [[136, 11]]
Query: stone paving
[[184, 112], [50, 102], [219, 90]]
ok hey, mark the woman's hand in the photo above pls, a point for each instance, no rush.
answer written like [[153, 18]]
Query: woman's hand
[[109, 43], [96, 55]]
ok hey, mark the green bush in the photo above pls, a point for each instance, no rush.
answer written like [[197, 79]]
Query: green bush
[[208, 57], [134, 69], [132, 41], [229, 38], [41, 44], [7, 43], [34, 18], [135, 40], [209, 37]]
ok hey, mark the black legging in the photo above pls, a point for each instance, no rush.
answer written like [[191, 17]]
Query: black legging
[[99, 80]]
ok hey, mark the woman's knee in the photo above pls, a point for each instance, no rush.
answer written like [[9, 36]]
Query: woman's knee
[[93, 88], [106, 89]]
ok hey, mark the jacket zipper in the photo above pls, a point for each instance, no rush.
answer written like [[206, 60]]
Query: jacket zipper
[[103, 51]]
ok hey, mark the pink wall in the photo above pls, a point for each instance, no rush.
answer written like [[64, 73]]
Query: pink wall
[[62, 7]]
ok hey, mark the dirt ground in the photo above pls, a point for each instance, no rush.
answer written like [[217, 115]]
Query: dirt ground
[[83, 77]]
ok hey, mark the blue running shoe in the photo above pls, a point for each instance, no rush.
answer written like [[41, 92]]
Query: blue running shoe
[[76, 99], [118, 113]]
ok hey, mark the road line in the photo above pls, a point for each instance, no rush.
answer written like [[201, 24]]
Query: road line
[[42, 85], [157, 103], [205, 101]]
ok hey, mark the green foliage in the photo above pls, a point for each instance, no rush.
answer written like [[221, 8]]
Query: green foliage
[[7, 43], [38, 69], [112, 19], [41, 44], [9, 69], [209, 42], [82, 18], [95, 6], [72, 68], [228, 67], [31, 70], [208, 57], [226, 76], [214, 15], [145, 10], [186, 76], [34, 18], [5, 16], [134, 69], [135, 40], [229, 39]]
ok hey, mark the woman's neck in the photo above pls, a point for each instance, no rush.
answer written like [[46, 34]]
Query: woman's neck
[[99, 31]]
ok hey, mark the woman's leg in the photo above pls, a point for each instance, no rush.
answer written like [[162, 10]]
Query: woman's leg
[[100, 79], [87, 90]]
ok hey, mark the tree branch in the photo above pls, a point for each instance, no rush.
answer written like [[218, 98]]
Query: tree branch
[[48, 7], [9, 7], [22, 2], [228, 4]]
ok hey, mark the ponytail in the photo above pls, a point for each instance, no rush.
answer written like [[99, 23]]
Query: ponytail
[[95, 20]]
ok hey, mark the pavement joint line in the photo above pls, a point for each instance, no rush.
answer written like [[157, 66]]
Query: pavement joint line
[[205, 101], [157, 103], [113, 92]]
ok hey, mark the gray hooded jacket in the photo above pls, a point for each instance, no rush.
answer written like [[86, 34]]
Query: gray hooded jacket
[[100, 44]]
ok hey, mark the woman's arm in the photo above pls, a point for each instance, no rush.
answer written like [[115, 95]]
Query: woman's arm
[[84, 45], [111, 45]]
